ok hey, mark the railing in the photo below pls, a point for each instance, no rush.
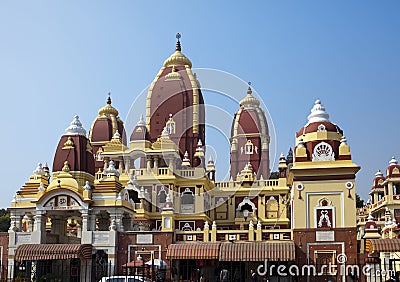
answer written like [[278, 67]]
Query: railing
[[234, 235], [259, 183], [138, 171], [277, 234], [164, 171], [187, 173]]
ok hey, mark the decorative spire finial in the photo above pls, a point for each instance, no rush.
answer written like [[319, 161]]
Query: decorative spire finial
[[109, 98], [165, 132], [318, 113], [393, 161], [249, 100], [111, 170], [39, 169], [66, 167], [178, 43], [75, 127], [379, 173], [141, 121]]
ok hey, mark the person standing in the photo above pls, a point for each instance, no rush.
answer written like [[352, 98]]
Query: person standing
[[253, 276], [236, 275], [224, 275]]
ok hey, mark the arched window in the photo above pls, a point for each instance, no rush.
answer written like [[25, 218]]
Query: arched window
[[162, 195], [187, 197]]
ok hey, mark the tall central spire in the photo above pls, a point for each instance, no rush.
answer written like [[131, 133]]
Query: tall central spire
[[178, 43], [177, 58]]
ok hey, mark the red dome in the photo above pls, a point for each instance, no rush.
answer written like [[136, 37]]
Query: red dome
[[75, 148], [140, 132], [106, 124], [378, 177], [319, 126], [393, 170]]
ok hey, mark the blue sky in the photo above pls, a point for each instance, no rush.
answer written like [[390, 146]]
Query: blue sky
[[60, 58]]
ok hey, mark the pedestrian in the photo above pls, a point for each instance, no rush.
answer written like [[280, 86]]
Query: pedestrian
[[224, 275], [202, 278], [236, 275], [253, 276]]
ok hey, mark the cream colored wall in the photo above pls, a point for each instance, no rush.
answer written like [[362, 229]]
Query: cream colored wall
[[335, 191]]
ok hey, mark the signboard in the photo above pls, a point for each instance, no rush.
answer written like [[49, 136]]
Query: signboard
[[324, 236], [23, 238], [144, 239], [100, 238]]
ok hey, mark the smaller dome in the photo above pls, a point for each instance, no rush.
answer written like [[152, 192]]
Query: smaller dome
[[140, 131], [393, 169], [378, 180], [318, 113], [75, 127], [249, 100], [105, 125], [177, 58]]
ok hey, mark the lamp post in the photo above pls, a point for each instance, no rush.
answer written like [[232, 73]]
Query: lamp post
[[134, 264], [152, 266]]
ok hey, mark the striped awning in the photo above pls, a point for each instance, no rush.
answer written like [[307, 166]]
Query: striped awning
[[193, 251], [52, 251], [257, 251], [382, 245]]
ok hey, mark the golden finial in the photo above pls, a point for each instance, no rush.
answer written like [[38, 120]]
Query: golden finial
[[108, 109], [249, 89], [65, 167], [177, 58], [178, 43], [249, 100], [69, 144]]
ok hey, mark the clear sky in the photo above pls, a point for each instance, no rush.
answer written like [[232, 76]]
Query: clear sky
[[60, 58]]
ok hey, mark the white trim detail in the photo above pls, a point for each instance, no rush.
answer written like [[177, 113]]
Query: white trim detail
[[323, 152], [246, 200]]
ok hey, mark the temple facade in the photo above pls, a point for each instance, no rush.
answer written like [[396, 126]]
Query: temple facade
[[152, 205]]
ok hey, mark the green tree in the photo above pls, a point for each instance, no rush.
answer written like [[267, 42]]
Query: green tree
[[4, 220], [274, 175], [359, 201]]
